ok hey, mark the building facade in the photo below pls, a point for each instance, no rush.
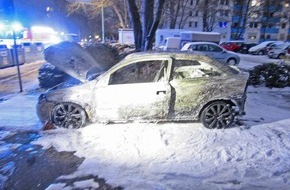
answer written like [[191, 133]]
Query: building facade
[[263, 21], [253, 21]]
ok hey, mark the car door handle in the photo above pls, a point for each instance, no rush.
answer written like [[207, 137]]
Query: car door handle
[[161, 91]]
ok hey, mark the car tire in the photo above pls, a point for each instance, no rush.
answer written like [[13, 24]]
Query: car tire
[[68, 115], [232, 61], [217, 115], [280, 55], [260, 52]]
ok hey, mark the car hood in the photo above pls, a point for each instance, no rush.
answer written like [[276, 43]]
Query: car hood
[[74, 60], [255, 48]]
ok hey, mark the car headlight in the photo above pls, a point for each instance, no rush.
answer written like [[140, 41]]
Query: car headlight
[[41, 98]]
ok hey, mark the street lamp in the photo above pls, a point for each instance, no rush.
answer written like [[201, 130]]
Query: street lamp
[[16, 27], [103, 25], [10, 13]]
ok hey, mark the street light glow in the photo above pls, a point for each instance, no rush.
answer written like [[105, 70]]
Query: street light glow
[[41, 29], [2, 26], [17, 26]]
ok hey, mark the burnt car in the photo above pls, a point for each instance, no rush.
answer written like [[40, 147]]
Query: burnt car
[[153, 86]]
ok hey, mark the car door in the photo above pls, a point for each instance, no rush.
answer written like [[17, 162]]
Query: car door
[[216, 52], [193, 85], [137, 90]]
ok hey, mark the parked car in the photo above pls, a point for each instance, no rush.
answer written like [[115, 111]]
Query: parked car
[[279, 51], [213, 50], [161, 86], [275, 45], [246, 46], [288, 52], [262, 48], [234, 46]]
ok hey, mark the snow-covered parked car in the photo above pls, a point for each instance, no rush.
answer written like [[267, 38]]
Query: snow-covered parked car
[[213, 50], [279, 51], [154, 86], [264, 47]]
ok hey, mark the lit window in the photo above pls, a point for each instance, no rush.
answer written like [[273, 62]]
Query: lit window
[[254, 15], [255, 3]]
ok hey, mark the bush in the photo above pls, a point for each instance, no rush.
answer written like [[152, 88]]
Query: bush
[[49, 76], [271, 75]]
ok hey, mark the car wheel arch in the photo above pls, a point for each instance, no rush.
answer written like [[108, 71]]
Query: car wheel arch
[[280, 55], [229, 101], [218, 114], [232, 58], [84, 107]]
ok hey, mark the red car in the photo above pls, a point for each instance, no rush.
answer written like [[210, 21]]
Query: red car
[[232, 45]]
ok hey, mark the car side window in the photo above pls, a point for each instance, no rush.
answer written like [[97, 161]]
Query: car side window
[[190, 69], [140, 72], [194, 48], [214, 48], [202, 47]]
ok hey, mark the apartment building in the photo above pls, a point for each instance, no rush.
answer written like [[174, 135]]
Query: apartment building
[[263, 22], [219, 16], [235, 21]]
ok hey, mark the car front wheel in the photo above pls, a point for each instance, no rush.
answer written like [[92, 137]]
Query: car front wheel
[[260, 53], [218, 115], [68, 115], [232, 61]]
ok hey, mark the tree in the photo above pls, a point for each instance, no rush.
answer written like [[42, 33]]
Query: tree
[[243, 9], [93, 7], [268, 10], [209, 11], [145, 22], [177, 13]]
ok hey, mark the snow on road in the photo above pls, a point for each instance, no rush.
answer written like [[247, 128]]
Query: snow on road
[[169, 155], [249, 61]]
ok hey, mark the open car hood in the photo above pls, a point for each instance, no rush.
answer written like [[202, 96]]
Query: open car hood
[[72, 59]]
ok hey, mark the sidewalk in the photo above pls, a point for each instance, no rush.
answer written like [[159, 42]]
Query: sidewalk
[[9, 82]]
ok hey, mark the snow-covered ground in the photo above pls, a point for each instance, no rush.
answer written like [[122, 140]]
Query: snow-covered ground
[[159, 156]]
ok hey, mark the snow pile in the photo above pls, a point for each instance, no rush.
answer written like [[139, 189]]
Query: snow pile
[[180, 156], [18, 113], [84, 184]]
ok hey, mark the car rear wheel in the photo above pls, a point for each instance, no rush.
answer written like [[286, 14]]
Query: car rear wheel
[[68, 115], [218, 115], [232, 61], [261, 53], [280, 56]]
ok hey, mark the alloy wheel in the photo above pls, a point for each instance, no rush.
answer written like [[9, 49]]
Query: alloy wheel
[[217, 115], [68, 115]]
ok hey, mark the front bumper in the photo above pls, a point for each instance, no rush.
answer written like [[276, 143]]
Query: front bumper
[[272, 55], [239, 102], [44, 108]]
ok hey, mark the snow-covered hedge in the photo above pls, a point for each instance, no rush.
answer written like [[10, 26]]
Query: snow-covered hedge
[[270, 75], [49, 76]]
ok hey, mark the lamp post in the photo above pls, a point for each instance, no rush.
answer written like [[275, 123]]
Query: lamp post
[[9, 4], [103, 25], [15, 57]]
